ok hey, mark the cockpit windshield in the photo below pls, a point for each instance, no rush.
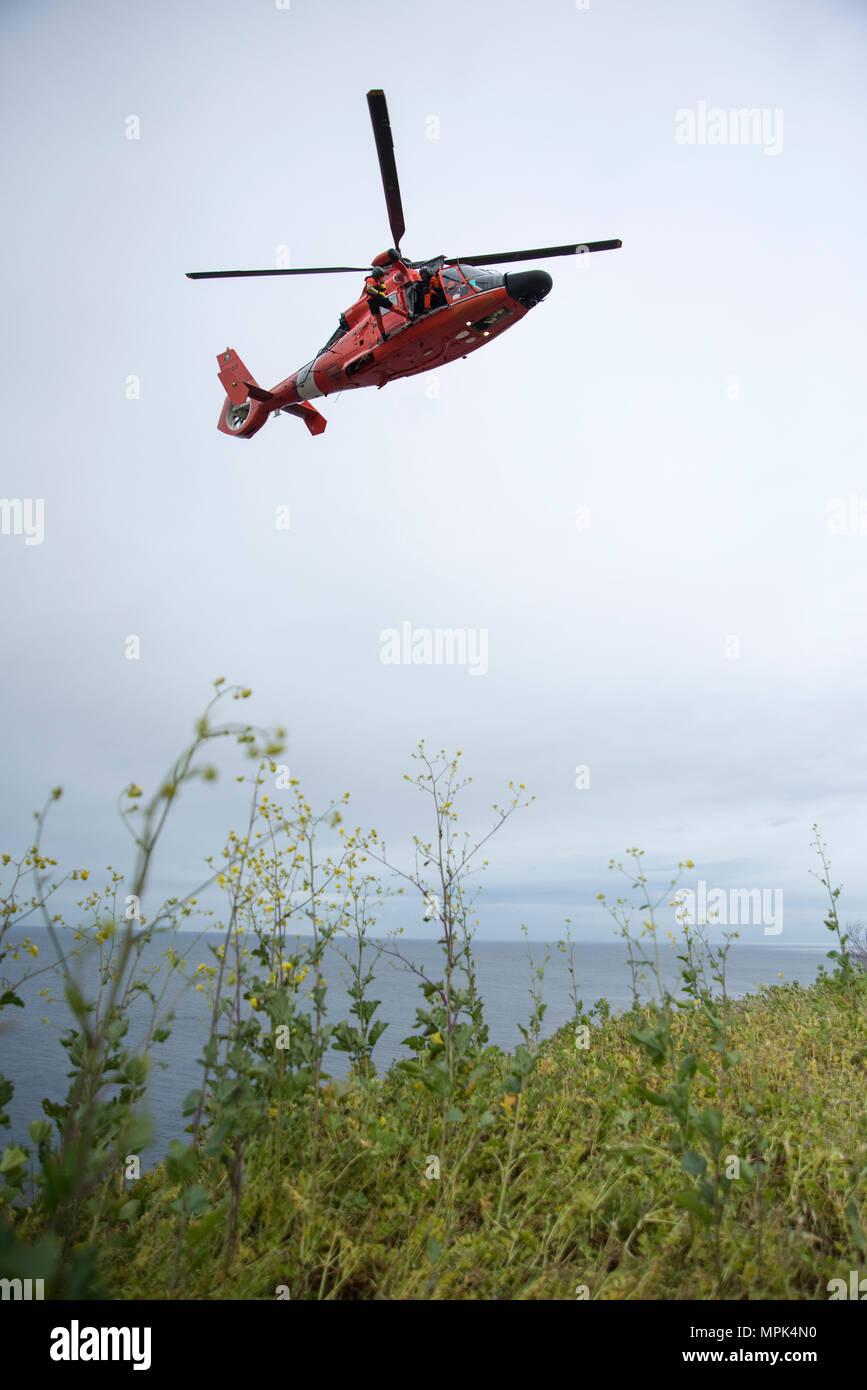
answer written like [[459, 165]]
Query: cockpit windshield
[[461, 281], [481, 279], [454, 283]]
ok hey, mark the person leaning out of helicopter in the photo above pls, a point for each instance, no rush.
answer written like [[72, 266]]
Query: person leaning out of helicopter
[[377, 300]]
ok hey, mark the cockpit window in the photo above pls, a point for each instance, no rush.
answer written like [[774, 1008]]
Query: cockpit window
[[454, 284], [481, 279]]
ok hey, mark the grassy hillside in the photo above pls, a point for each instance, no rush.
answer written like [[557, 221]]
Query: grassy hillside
[[576, 1180], [694, 1147]]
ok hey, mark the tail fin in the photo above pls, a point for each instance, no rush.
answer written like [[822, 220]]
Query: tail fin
[[239, 382], [245, 410]]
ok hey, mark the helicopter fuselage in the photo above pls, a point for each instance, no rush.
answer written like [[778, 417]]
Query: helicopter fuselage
[[479, 306]]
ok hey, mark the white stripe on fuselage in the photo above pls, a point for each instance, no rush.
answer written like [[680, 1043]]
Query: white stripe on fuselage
[[304, 384]]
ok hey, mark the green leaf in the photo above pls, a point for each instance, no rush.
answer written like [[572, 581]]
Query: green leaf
[[7, 1091], [688, 1200], [688, 1067], [191, 1104], [116, 1030], [654, 1044], [454, 1116], [193, 1202], [13, 1158], [434, 1249], [129, 1210], [376, 1032], [136, 1071], [9, 998], [653, 1096], [181, 1162], [694, 1163], [197, 1201], [367, 1008], [707, 1192], [346, 1038], [709, 1122], [40, 1131], [138, 1133]]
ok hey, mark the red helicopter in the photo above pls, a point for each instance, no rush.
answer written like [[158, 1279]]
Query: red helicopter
[[443, 308]]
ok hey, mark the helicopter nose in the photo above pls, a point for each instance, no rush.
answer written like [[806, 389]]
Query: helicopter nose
[[528, 287]]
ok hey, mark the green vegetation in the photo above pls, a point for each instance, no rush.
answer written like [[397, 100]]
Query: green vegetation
[[693, 1147]]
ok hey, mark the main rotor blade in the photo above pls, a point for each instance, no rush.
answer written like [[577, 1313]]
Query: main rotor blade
[[309, 270], [500, 257], [385, 149]]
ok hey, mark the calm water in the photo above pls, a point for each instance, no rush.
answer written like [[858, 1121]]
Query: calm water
[[31, 1056]]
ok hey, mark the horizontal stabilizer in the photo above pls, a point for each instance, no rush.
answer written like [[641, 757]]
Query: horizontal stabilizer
[[309, 414]]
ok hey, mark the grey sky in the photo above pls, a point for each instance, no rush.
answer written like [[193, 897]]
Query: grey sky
[[701, 391]]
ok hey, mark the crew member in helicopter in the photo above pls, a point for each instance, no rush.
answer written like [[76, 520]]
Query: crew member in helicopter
[[377, 300], [434, 295], [428, 292]]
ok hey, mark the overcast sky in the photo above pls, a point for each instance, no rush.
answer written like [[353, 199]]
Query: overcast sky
[[698, 644]]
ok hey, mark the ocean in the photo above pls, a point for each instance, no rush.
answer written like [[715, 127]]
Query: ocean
[[32, 1058]]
